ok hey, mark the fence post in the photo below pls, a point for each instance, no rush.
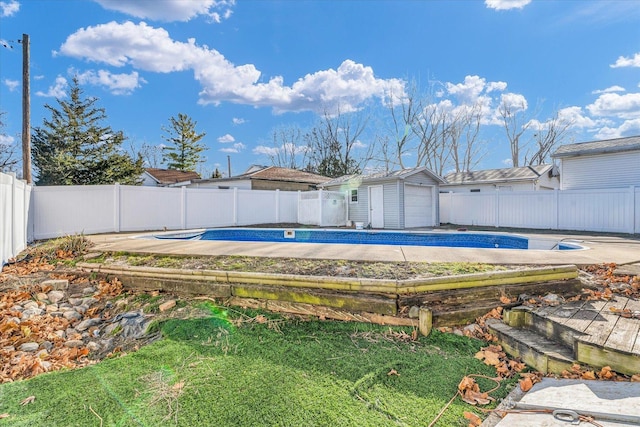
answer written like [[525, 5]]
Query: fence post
[[631, 214], [277, 206], [183, 203], [12, 225], [320, 208], [557, 209], [235, 205], [116, 207], [347, 201]]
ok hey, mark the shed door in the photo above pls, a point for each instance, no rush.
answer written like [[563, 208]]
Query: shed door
[[418, 206], [376, 206]]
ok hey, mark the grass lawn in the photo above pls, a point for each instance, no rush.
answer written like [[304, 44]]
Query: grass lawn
[[245, 368]]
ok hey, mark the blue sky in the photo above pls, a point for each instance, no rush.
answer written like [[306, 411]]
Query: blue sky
[[241, 69]]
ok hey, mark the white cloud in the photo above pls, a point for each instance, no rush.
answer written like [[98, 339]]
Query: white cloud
[[226, 138], [507, 162], [625, 106], [152, 49], [11, 84], [624, 61], [469, 90], [515, 101], [172, 10], [359, 144], [6, 139], [506, 4], [284, 148], [263, 149], [117, 84], [237, 147], [238, 121], [627, 128], [614, 88], [9, 8], [58, 90], [577, 118]]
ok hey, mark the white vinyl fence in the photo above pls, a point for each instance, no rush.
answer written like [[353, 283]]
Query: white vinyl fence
[[322, 208], [64, 210], [14, 215], [611, 210]]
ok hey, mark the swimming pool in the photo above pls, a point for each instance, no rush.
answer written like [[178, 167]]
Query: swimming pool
[[366, 237]]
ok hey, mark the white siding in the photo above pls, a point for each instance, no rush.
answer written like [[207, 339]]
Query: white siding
[[614, 170], [418, 206], [391, 205]]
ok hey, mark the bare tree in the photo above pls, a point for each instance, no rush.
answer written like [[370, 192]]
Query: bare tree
[[513, 119], [549, 135], [463, 134], [8, 149], [289, 149], [334, 144]]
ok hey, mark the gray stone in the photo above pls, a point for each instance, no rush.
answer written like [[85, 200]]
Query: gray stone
[[82, 309], [29, 347], [56, 314], [17, 308], [30, 312], [75, 301], [60, 334], [9, 349], [42, 353], [88, 290], [74, 343], [88, 302], [93, 346], [72, 315], [65, 305], [51, 307], [57, 284], [108, 330], [47, 345], [30, 304], [70, 332], [45, 365], [41, 296], [86, 324], [15, 320], [55, 296], [414, 312]]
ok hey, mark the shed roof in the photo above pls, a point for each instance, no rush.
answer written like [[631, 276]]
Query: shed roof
[[617, 145], [274, 173], [525, 173], [382, 176], [171, 176]]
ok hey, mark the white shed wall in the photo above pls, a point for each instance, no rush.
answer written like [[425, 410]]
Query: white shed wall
[[614, 170]]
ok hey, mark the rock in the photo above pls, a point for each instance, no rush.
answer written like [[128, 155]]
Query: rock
[[88, 290], [9, 349], [92, 255], [47, 345], [75, 301], [414, 312], [82, 309], [108, 330], [17, 308], [552, 299], [60, 334], [30, 304], [121, 302], [42, 353], [71, 333], [30, 312], [88, 302], [56, 314], [58, 284], [74, 343], [51, 307], [45, 365], [72, 315], [134, 324], [40, 296], [55, 296], [167, 305], [93, 346], [15, 320], [86, 324], [65, 306], [29, 347]]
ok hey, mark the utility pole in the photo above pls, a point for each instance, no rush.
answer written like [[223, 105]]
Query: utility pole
[[26, 112], [229, 165]]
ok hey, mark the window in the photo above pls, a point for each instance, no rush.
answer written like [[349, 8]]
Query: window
[[354, 195], [475, 190]]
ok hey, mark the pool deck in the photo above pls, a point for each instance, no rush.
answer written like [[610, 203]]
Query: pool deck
[[600, 249]]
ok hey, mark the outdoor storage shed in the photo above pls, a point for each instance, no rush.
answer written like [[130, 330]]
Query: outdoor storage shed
[[400, 199]]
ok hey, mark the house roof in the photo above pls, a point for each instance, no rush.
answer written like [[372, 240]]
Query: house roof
[[488, 176], [617, 145], [274, 173], [171, 176], [382, 176]]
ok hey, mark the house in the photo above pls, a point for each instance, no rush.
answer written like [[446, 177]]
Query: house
[[266, 178], [153, 177], [527, 178], [612, 163], [400, 199]]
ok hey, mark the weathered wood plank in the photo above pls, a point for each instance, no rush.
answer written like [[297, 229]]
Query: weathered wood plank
[[623, 336], [595, 355], [600, 328]]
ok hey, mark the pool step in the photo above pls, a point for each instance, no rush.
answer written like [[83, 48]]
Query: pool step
[[533, 349]]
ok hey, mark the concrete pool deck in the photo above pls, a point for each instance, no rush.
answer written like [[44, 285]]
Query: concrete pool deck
[[600, 249]]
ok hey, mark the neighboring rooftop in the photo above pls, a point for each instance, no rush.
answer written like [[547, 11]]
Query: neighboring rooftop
[[525, 173], [274, 173], [381, 176], [617, 145], [171, 176]]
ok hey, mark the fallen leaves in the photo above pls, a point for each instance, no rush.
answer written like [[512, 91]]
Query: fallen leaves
[[393, 372], [493, 355], [474, 420], [470, 391], [28, 400], [528, 379]]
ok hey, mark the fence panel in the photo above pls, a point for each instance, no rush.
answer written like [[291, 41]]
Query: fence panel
[[209, 207], [150, 208], [594, 210], [288, 207], [527, 209], [256, 207], [64, 210], [473, 209]]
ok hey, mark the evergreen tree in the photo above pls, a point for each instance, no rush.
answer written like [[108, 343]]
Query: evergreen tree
[[184, 152], [73, 148], [216, 174]]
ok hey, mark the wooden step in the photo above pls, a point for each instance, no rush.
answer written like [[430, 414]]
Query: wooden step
[[536, 351]]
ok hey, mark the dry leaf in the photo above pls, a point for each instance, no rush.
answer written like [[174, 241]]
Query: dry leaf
[[393, 372], [178, 386], [526, 384], [28, 400], [261, 319], [474, 420], [588, 375], [505, 299], [5, 415], [635, 378]]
